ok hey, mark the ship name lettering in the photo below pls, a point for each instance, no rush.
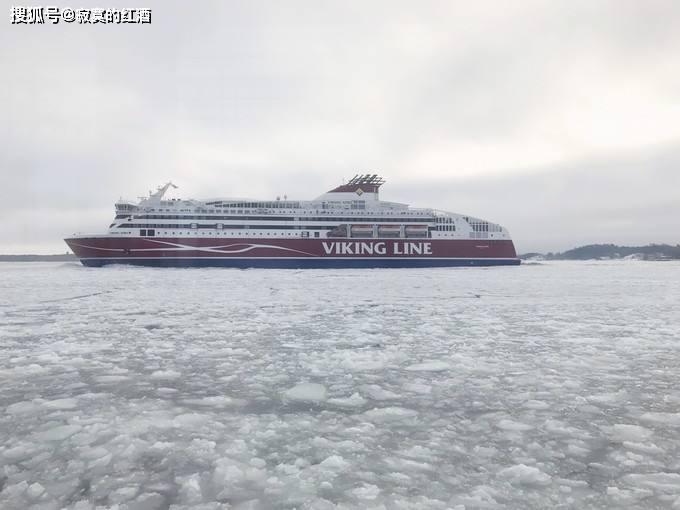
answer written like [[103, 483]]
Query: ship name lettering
[[412, 248], [379, 248], [354, 248]]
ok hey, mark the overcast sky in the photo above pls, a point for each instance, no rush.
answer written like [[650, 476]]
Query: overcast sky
[[559, 120]]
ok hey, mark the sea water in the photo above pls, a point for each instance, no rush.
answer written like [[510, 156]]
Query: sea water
[[549, 385]]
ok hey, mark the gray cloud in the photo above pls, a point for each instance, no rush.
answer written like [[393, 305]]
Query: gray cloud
[[633, 198], [557, 119]]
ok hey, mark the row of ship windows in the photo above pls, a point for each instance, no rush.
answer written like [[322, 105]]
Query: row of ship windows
[[268, 218], [303, 233], [442, 228], [333, 204], [330, 209], [483, 226], [218, 226], [152, 233], [257, 205]]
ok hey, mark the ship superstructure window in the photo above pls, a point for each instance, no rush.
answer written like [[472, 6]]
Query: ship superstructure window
[[481, 228], [278, 204], [379, 217], [445, 224]]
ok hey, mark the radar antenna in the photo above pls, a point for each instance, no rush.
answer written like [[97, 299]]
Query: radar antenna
[[370, 179]]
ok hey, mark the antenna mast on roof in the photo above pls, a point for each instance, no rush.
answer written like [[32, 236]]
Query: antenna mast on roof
[[160, 192]]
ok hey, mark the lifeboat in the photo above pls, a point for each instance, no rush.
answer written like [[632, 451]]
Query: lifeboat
[[362, 230], [416, 230], [389, 230]]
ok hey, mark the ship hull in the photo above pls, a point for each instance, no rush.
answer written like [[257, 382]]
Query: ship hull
[[294, 263], [291, 253]]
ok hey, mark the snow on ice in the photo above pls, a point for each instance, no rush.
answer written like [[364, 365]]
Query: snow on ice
[[309, 392], [135, 388]]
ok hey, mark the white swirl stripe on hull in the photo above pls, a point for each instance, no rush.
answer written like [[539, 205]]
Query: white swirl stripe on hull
[[208, 249]]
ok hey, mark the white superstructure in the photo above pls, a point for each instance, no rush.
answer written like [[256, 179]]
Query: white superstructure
[[352, 210]]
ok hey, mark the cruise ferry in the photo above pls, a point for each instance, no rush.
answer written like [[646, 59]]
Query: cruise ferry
[[349, 226]]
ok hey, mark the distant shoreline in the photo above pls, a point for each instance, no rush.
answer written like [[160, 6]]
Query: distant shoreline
[[611, 252]]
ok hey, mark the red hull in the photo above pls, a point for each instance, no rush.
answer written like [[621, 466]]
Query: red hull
[[165, 250]]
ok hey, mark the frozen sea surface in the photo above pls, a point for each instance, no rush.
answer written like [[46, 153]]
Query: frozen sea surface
[[551, 385]]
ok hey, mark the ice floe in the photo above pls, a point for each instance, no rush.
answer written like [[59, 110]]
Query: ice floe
[[429, 366], [525, 475], [218, 389], [309, 392]]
